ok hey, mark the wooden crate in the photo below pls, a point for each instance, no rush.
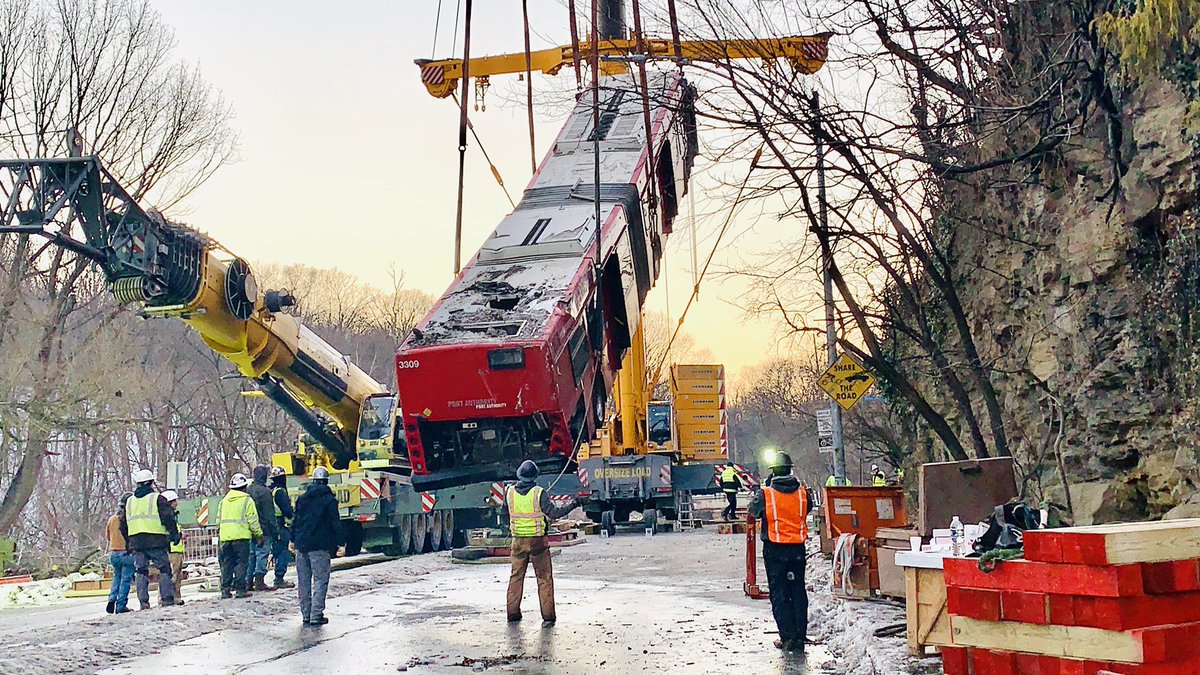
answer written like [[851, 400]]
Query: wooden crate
[[925, 610]]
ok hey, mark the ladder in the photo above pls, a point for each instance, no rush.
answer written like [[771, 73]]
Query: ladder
[[685, 516]]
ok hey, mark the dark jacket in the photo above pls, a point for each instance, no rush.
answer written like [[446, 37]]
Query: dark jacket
[[283, 501], [264, 501], [758, 508], [317, 525], [551, 511], [149, 542]]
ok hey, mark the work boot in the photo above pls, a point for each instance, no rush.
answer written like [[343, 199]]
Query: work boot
[[122, 610], [283, 583], [225, 594], [318, 621], [243, 593], [260, 583], [782, 644], [112, 605]]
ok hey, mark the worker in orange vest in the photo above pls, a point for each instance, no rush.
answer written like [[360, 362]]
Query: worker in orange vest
[[782, 508]]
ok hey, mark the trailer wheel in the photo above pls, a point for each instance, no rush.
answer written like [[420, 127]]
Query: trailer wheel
[[416, 530], [404, 533], [650, 519], [447, 530], [354, 538], [435, 530], [607, 523], [422, 533]]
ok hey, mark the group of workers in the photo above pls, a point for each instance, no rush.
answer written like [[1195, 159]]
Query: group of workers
[[257, 522], [145, 531], [879, 478]]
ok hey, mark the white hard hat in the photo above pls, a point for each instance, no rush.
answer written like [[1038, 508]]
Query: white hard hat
[[874, 467], [171, 495], [143, 476], [277, 471], [238, 481], [320, 473]]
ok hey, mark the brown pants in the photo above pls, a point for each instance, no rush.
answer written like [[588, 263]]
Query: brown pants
[[177, 573], [524, 551]]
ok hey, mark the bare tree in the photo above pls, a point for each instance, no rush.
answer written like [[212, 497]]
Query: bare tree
[[91, 77]]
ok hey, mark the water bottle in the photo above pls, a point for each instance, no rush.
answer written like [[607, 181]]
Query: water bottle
[[957, 537]]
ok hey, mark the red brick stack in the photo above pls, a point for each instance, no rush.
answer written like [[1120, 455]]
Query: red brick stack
[[1121, 599]]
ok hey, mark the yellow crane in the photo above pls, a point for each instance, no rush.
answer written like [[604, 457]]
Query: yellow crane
[[806, 54]]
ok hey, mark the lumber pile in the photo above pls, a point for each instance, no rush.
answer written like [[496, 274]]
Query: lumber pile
[[1105, 600]]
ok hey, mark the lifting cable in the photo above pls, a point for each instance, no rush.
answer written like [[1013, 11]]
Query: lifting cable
[[486, 156], [462, 139], [652, 168], [708, 261], [575, 46], [437, 22], [529, 86]]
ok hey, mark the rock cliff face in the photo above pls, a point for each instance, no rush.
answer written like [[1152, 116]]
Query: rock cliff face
[[1086, 302]]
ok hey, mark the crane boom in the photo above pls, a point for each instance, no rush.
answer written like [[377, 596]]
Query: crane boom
[[807, 54], [174, 271]]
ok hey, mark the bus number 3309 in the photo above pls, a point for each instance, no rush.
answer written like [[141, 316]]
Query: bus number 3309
[[408, 364]]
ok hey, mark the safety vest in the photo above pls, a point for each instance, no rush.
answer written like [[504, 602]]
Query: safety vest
[[787, 516], [275, 501], [729, 479], [141, 515], [880, 481], [832, 481], [525, 515], [178, 548], [236, 508]]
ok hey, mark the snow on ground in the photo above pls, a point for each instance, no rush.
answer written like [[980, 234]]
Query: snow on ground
[[848, 628], [703, 566], [90, 644], [40, 593]]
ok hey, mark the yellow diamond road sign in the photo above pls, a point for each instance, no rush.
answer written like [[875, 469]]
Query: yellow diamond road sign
[[846, 381]]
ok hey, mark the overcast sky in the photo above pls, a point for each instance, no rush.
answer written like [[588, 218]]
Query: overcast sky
[[346, 161]]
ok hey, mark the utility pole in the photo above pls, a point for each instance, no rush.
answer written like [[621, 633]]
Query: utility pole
[[835, 411]]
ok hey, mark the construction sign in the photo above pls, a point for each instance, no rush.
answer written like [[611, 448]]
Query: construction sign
[[846, 381]]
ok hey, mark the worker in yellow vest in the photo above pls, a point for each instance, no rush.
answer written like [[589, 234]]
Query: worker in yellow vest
[[283, 521], [782, 508], [177, 549], [529, 507], [730, 484], [878, 477], [148, 525], [238, 525]]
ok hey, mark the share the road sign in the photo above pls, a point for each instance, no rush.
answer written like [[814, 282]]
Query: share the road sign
[[846, 381]]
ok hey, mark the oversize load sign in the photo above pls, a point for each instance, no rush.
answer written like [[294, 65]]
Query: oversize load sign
[[846, 381]]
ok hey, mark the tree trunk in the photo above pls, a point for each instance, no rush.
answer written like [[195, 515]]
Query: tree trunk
[[20, 490]]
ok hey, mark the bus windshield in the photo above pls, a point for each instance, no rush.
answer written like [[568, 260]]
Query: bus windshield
[[375, 422]]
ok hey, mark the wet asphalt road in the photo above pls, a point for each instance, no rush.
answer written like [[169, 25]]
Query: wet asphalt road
[[611, 618]]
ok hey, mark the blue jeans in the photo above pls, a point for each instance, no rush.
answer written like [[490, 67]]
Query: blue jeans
[[282, 557], [122, 564], [258, 561]]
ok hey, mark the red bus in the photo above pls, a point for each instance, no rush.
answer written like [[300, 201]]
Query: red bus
[[516, 359]]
